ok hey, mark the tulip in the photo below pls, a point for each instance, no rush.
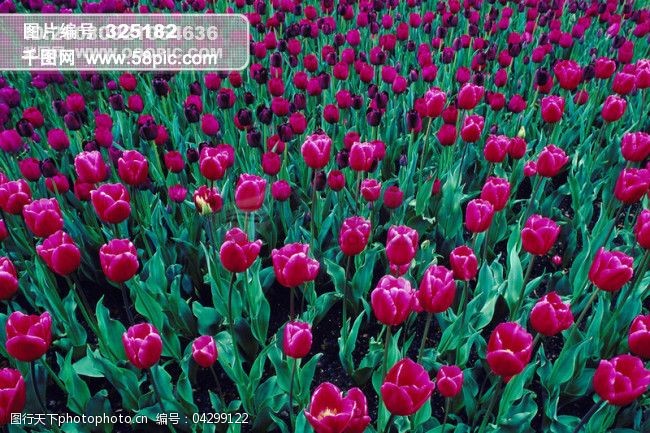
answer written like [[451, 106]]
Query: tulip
[[550, 315], [472, 128], [434, 102], [632, 184], [281, 190], [8, 279], [391, 300], [621, 380], [509, 349], [43, 217], [610, 270], [449, 380], [330, 411], [204, 351], [613, 108], [406, 388], [469, 96], [174, 161], [60, 253], [238, 254], [638, 338], [354, 234], [552, 108], [12, 394], [133, 168], [207, 200], [496, 148], [316, 150], [635, 146], [551, 160], [370, 189], [642, 229], [249, 192], [28, 336], [478, 215], [119, 260], [14, 195], [142, 345], [30, 169], [297, 339], [496, 190], [568, 74], [111, 202], [361, 156], [292, 265], [214, 161], [90, 167], [336, 180], [437, 289], [463, 263], [401, 246], [10, 141], [539, 234], [4, 234], [393, 197]]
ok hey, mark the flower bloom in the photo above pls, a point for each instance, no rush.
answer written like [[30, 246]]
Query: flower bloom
[[610, 270], [463, 262], [496, 148], [330, 411], [12, 394], [550, 315], [509, 349], [60, 253], [354, 235], [238, 254], [249, 192], [496, 190], [8, 279], [214, 161], [632, 184], [293, 266], [406, 388], [133, 168], [112, 202], [478, 215], [90, 167], [297, 338], [316, 150], [551, 160], [401, 246], [119, 260], [370, 189], [204, 351], [28, 336], [14, 195], [635, 146], [43, 217], [639, 336], [391, 300], [613, 108], [207, 200], [143, 345], [449, 380], [437, 289], [642, 229], [539, 234], [361, 156], [621, 380], [552, 108]]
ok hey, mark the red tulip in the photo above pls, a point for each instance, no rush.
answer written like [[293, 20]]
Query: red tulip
[[119, 260], [112, 202], [14, 195], [296, 342], [446, 134], [496, 148], [472, 128], [57, 184], [568, 74], [478, 215], [401, 246], [60, 253], [642, 229], [331, 412], [207, 200], [434, 102], [551, 160], [393, 197], [354, 235], [174, 161], [437, 289], [621, 380], [250, 192], [604, 67], [509, 349], [43, 217], [238, 254], [391, 300], [12, 394], [361, 156], [30, 169], [550, 315], [209, 124], [8, 279], [370, 189], [635, 146], [613, 108], [177, 193], [293, 266], [632, 184], [406, 388], [133, 168], [497, 191], [610, 270], [142, 345], [463, 263], [638, 338], [336, 180], [316, 150], [539, 234], [90, 167], [214, 161], [4, 234], [28, 336], [281, 190], [449, 380], [204, 351], [552, 108], [469, 96], [271, 163]]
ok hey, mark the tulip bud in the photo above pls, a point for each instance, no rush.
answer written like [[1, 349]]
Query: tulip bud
[[391, 300], [60, 253], [611, 270], [401, 246], [238, 254], [119, 260], [12, 394], [297, 339], [143, 345], [496, 190], [449, 380], [539, 234], [204, 351], [509, 349], [406, 388], [111, 202], [292, 265], [354, 235], [437, 289], [8, 279], [621, 380], [550, 315], [28, 336], [478, 215]]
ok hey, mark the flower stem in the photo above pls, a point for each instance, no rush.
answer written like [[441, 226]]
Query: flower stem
[[291, 381], [585, 419], [583, 313], [444, 420], [217, 384], [424, 336], [32, 366], [292, 295], [488, 412], [156, 391], [53, 376], [389, 422], [384, 366], [346, 293], [127, 303], [531, 203], [231, 324], [522, 292]]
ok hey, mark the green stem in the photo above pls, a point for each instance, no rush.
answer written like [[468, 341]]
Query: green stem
[[127, 303], [585, 419], [159, 397], [531, 203], [217, 384], [292, 295], [389, 422], [32, 366], [424, 336], [493, 400], [293, 377], [231, 324], [384, 367], [53, 376], [522, 292], [346, 293], [584, 311], [444, 421]]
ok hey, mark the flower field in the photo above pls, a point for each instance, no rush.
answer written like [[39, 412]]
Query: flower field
[[403, 216]]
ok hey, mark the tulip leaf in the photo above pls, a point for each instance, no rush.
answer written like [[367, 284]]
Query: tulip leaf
[[347, 344], [111, 330], [77, 390], [125, 381]]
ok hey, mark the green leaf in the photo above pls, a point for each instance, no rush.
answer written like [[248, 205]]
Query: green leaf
[[77, 390]]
